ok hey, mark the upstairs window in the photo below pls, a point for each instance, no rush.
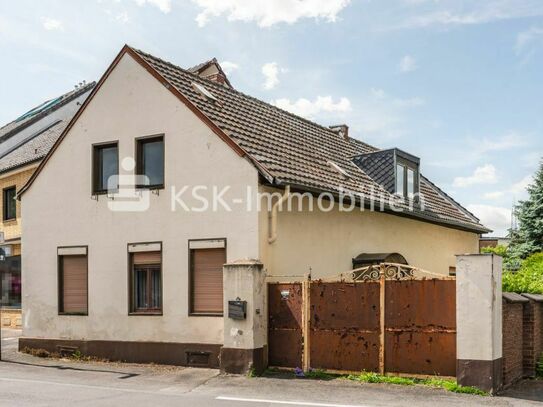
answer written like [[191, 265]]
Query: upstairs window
[[407, 179], [10, 205], [105, 165], [150, 161]]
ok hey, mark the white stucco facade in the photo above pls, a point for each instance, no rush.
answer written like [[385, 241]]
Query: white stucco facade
[[59, 210]]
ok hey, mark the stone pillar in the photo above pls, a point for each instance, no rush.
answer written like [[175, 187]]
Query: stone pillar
[[479, 321], [245, 340]]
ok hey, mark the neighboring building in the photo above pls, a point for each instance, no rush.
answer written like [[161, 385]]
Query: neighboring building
[[23, 144], [490, 241], [144, 280]]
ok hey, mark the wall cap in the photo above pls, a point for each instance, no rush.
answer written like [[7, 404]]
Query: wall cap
[[533, 297], [514, 297]]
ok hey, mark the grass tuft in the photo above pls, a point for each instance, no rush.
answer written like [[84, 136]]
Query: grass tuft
[[449, 385]]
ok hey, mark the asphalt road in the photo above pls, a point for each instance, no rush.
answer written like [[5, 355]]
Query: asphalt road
[[31, 381]]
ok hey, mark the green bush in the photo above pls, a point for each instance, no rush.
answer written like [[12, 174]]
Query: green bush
[[539, 367], [529, 278]]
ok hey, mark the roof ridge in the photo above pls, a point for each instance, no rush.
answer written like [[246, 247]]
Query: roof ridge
[[219, 86]]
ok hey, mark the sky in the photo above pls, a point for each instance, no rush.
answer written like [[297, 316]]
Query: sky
[[456, 83]]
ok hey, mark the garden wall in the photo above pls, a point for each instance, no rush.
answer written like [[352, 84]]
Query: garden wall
[[522, 335]]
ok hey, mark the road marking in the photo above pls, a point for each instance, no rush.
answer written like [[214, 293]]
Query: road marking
[[296, 403]]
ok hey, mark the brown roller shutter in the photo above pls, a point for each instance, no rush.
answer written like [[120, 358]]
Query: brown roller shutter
[[146, 258], [207, 291], [74, 284]]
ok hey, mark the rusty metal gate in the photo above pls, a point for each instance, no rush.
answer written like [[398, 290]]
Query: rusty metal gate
[[384, 318]]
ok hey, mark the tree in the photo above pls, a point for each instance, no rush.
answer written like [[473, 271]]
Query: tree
[[528, 238]]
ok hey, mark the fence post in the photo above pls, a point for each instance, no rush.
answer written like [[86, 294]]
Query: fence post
[[479, 321], [306, 318], [245, 336], [382, 286]]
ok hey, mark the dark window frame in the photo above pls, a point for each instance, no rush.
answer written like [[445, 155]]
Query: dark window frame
[[140, 141], [132, 310], [5, 203], [405, 165], [191, 313], [60, 279], [96, 176]]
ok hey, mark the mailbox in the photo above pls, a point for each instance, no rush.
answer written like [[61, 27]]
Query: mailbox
[[237, 309]]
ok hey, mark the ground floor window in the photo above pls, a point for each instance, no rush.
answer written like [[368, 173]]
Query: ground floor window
[[146, 281], [10, 273], [207, 258], [73, 280]]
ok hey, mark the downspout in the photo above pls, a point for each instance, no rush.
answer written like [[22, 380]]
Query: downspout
[[273, 215]]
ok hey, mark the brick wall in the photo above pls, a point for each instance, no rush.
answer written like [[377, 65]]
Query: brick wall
[[512, 341], [533, 337], [522, 335]]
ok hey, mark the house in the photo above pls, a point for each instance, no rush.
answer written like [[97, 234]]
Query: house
[[137, 273], [23, 144], [493, 241]]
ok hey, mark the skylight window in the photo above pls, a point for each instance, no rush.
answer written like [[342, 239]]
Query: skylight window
[[204, 92], [338, 169]]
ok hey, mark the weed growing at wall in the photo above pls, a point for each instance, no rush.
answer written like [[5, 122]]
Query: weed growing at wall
[[539, 367], [450, 385]]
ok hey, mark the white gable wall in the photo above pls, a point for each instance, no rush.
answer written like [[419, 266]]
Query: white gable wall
[[58, 211]]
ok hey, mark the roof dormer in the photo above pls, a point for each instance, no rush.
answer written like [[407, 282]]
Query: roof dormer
[[395, 170]]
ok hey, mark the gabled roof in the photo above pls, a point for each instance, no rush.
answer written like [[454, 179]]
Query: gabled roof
[[285, 148]]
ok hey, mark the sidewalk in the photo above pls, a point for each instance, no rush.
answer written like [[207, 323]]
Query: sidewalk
[[29, 381]]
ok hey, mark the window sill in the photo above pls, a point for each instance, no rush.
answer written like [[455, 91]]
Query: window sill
[[206, 314], [151, 187], [78, 314], [8, 221], [146, 313]]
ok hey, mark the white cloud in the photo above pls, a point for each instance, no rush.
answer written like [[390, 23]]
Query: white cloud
[[517, 190], [527, 37], [163, 5], [51, 24], [482, 175], [411, 102], [271, 74], [494, 217], [122, 17], [309, 109], [228, 67], [380, 94], [459, 13], [267, 12], [408, 64], [510, 140]]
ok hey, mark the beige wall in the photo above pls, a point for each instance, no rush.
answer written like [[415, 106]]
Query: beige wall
[[58, 211], [326, 242]]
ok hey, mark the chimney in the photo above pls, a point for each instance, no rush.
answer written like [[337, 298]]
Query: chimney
[[342, 130]]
